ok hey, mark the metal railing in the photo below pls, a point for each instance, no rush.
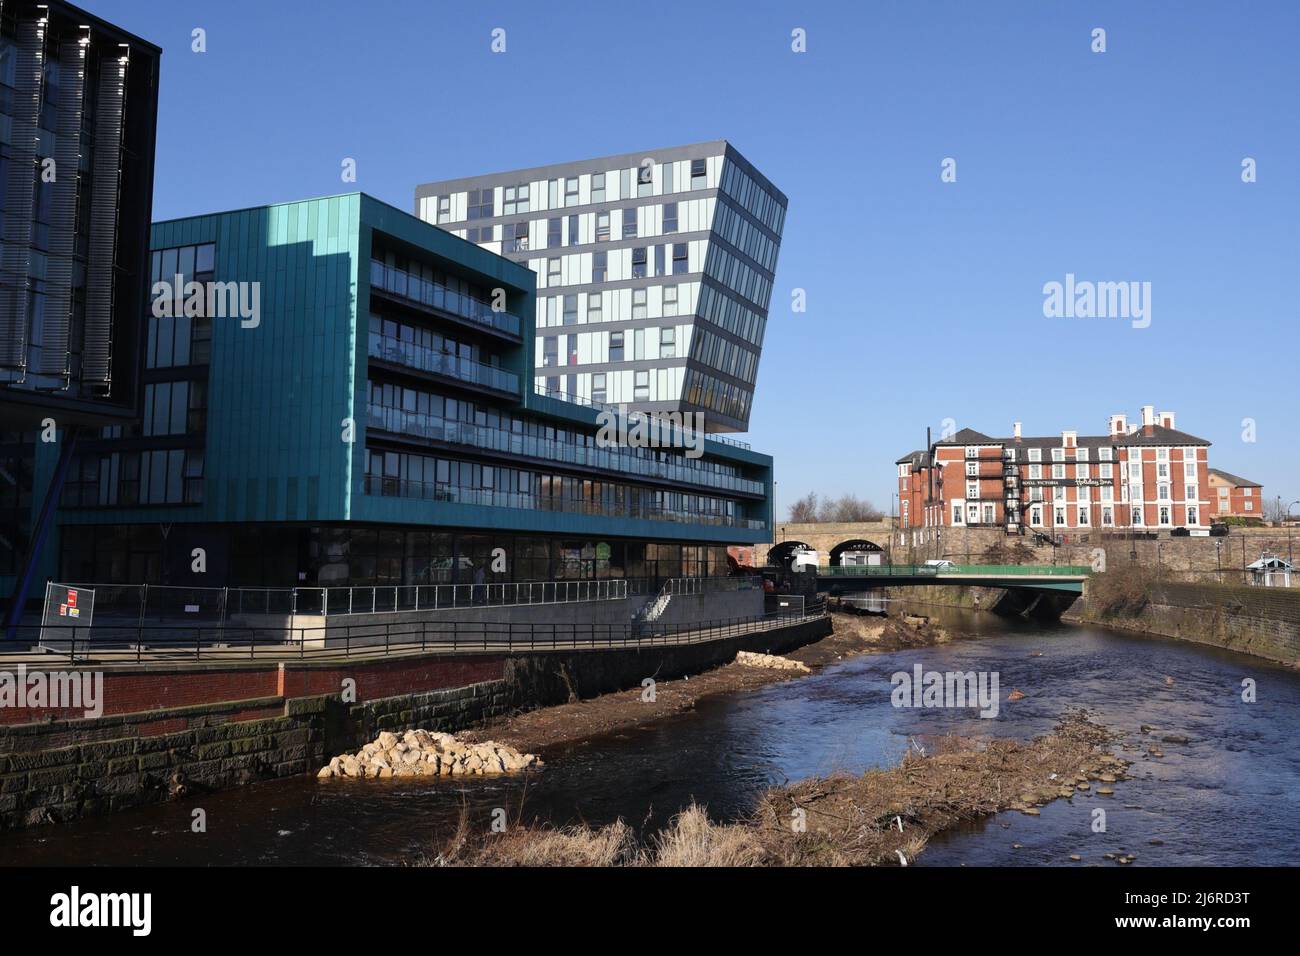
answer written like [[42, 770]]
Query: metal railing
[[574, 399], [409, 354], [984, 570], [435, 295], [417, 597], [103, 645]]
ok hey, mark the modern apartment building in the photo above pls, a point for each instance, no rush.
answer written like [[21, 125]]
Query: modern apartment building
[[1236, 497], [654, 272], [369, 418], [1139, 476], [78, 109]]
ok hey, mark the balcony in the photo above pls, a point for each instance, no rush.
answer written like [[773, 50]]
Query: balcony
[[409, 355], [615, 458], [436, 296], [489, 497]]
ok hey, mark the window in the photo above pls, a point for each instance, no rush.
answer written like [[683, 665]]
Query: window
[[1036, 515], [679, 258], [1162, 469], [598, 194], [1058, 454], [1104, 470], [1191, 516], [1104, 454], [1107, 516], [1081, 471], [480, 203], [1058, 471], [1036, 472], [698, 174], [645, 179], [1035, 454], [972, 468], [516, 200], [595, 307], [1083, 516], [616, 346], [956, 512], [571, 191], [1164, 514], [639, 310], [629, 223], [514, 236], [1248, 506], [972, 451], [641, 387], [551, 350], [570, 310], [1059, 516], [668, 342], [553, 272], [972, 489], [670, 300], [598, 388], [444, 209], [602, 227], [1137, 516], [554, 233], [599, 266], [573, 230], [670, 217], [639, 263], [1081, 454]]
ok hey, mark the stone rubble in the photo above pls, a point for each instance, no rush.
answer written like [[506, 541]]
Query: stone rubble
[[770, 661], [421, 753]]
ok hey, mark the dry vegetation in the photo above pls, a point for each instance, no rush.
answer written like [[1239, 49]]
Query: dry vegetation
[[1120, 593], [848, 820]]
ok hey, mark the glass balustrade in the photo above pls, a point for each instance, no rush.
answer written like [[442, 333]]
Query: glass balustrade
[[433, 491], [389, 349], [437, 296], [435, 428]]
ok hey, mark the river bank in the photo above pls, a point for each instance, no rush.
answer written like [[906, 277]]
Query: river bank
[[581, 720], [881, 817]]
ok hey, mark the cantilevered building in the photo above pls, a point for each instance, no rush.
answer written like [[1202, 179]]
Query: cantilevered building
[[654, 272]]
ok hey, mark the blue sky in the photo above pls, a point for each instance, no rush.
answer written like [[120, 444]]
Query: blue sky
[[924, 298]]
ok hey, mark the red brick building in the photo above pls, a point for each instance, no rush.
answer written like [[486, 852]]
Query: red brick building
[[1235, 497], [1140, 476]]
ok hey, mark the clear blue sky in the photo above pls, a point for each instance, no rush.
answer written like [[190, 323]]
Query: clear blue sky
[[924, 298]]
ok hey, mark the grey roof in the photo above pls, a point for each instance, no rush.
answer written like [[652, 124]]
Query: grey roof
[[1159, 436], [916, 459], [1234, 479]]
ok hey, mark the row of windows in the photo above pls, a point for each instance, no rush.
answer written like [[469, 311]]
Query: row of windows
[[174, 408], [716, 395], [746, 237], [568, 191], [725, 356], [449, 479], [615, 305], [630, 345], [617, 265], [738, 184], [171, 477], [726, 313], [738, 276]]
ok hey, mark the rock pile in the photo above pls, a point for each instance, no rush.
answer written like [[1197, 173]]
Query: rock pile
[[419, 753], [771, 661]]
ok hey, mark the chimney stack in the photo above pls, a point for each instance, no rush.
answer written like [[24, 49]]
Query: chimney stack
[[1069, 439], [1118, 424], [1015, 430], [1167, 419], [1148, 415]]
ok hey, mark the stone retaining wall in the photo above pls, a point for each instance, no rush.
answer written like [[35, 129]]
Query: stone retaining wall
[[59, 768]]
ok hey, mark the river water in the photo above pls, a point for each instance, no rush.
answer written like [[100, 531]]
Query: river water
[[1229, 796]]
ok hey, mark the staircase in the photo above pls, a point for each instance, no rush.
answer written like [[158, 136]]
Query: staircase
[[653, 609]]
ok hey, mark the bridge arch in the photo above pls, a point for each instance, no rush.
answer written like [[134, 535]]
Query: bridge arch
[[779, 554], [852, 548]]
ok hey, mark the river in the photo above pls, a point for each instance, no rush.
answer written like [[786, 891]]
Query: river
[[1229, 796]]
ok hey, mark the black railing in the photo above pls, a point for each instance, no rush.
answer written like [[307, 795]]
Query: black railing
[[112, 644]]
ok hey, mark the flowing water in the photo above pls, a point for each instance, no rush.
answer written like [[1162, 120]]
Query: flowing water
[[1231, 795]]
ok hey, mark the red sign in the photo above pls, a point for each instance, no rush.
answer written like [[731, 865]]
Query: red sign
[[63, 610], [72, 599]]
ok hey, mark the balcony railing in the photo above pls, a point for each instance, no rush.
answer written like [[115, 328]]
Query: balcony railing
[[438, 491], [576, 399], [614, 458], [435, 295], [393, 350]]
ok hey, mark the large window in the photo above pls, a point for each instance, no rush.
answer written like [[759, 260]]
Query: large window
[[180, 339]]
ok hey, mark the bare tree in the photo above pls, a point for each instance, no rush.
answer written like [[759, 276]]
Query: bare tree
[[811, 509], [804, 511]]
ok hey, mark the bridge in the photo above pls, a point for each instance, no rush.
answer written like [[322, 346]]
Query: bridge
[[1039, 591], [1037, 577]]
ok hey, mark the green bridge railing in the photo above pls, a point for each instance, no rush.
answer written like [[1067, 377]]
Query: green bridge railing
[[982, 570]]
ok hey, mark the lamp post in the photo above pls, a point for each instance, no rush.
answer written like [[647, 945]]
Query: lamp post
[[1287, 517]]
